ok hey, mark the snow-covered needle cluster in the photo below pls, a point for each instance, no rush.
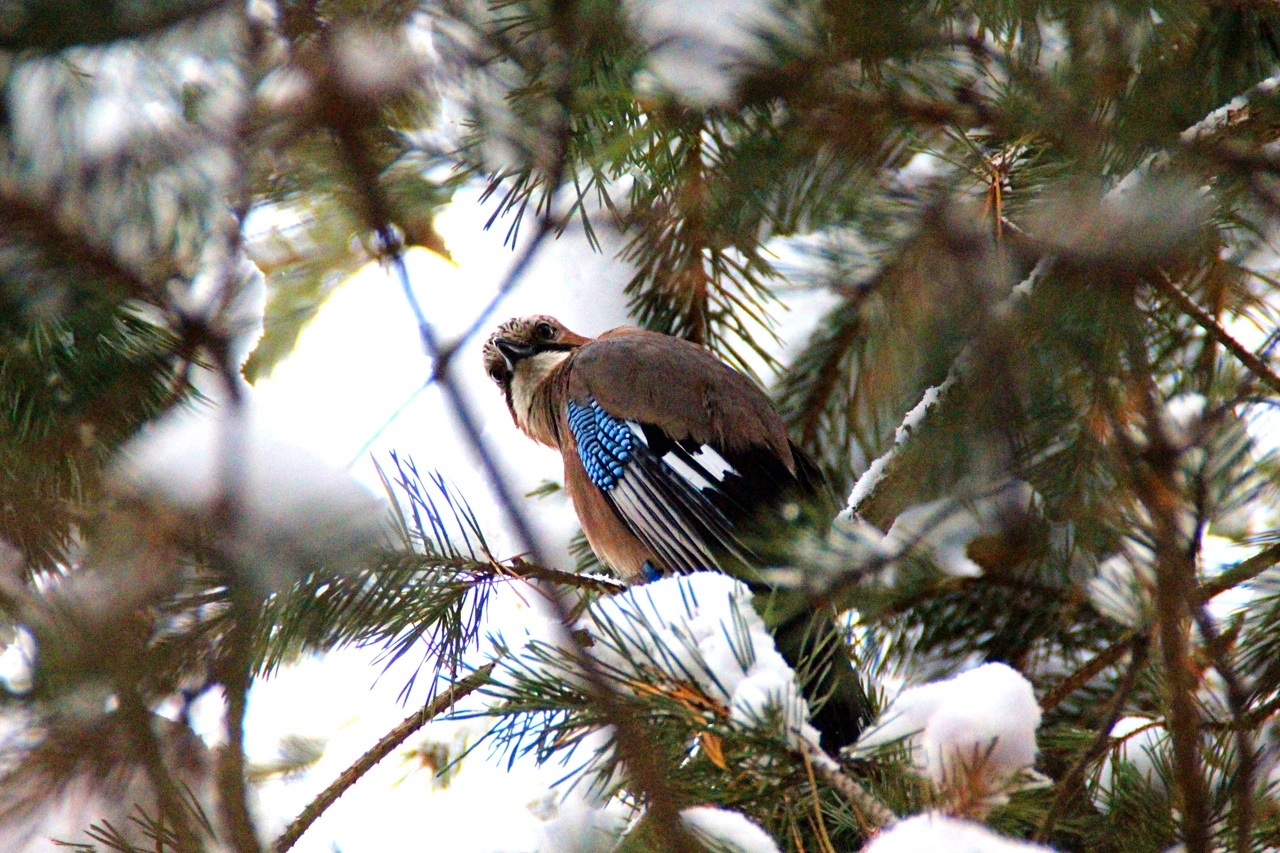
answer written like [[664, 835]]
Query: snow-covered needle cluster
[[695, 642]]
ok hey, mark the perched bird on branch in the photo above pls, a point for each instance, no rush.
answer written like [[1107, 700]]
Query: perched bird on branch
[[676, 463]]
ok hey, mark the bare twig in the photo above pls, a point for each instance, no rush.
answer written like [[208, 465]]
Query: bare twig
[[384, 747], [1086, 673], [1187, 305]]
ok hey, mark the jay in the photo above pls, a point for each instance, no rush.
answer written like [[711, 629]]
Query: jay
[[675, 462]]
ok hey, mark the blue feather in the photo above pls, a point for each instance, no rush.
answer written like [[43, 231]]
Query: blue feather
[[604, 443]]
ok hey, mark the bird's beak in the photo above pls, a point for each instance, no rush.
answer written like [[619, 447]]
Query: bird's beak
[[513, 351]]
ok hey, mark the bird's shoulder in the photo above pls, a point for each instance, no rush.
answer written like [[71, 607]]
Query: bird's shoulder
[[676, 386]]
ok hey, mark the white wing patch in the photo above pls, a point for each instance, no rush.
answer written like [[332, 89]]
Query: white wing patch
[[712, 462], [703, 470], [690, 474]]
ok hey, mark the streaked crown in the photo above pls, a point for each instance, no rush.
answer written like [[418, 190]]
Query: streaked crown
[[521, 337]]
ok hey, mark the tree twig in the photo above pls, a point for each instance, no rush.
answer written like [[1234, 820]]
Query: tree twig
[[1085, 673], [871, 813], [1238, 702], [1187, 305], [231, 777], [1242, 572], [1071, 780], [1154, 475], [384, 747]]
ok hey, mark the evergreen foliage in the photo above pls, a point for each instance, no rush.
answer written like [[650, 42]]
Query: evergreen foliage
[[1046, 231]]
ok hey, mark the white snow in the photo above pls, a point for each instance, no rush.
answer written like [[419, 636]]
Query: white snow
[[578, 825], [698, 49], [1182, 416], [1136, 740], [375, 62], [930, 832], [978, 728], [942, 530], [700, 629], [728, 831], [1122, 587], [290, 511]]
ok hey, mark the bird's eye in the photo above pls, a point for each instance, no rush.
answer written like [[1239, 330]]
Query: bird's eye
[[545, 331], [497, 373]]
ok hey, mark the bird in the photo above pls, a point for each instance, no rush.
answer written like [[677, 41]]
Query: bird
[[674, 463]]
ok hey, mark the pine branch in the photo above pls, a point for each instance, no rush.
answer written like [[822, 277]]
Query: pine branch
[[1155, 480], [20, 216], [871, 813], [1242, 572], [1242, 782], [960, 367], [384, 747], [1086, 673], [1252, 362], [1068, 786]]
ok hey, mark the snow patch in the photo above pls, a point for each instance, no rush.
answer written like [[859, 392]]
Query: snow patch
[[699, 49], [728, 831], [1137, 741], [701, 629], [932, 831], [976, 728], [578, 825], [289, 512]]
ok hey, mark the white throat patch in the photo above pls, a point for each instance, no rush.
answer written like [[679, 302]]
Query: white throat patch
[[528, 375]]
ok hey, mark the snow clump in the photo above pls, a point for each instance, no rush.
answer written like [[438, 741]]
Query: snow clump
[[932, 831], [698, 49], [976, 731], [700, 629]]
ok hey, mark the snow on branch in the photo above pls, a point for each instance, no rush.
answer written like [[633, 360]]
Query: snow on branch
[[973, 736]]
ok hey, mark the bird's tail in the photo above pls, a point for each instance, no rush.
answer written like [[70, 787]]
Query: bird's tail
[[815, 648]]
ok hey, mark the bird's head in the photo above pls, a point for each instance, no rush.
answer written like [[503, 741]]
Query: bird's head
[[522, 352]]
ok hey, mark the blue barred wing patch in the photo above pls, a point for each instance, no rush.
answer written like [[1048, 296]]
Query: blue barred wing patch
[[604, 442]]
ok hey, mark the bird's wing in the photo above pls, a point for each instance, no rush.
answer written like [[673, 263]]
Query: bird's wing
[[686, 451]]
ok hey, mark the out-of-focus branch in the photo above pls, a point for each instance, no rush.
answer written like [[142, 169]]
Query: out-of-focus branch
[[380, 750], [1238, 703], [1086, 673], [235, 676], [1069, 785], [173, 809], [1187, 305], [18, 214], [1154, 476]]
